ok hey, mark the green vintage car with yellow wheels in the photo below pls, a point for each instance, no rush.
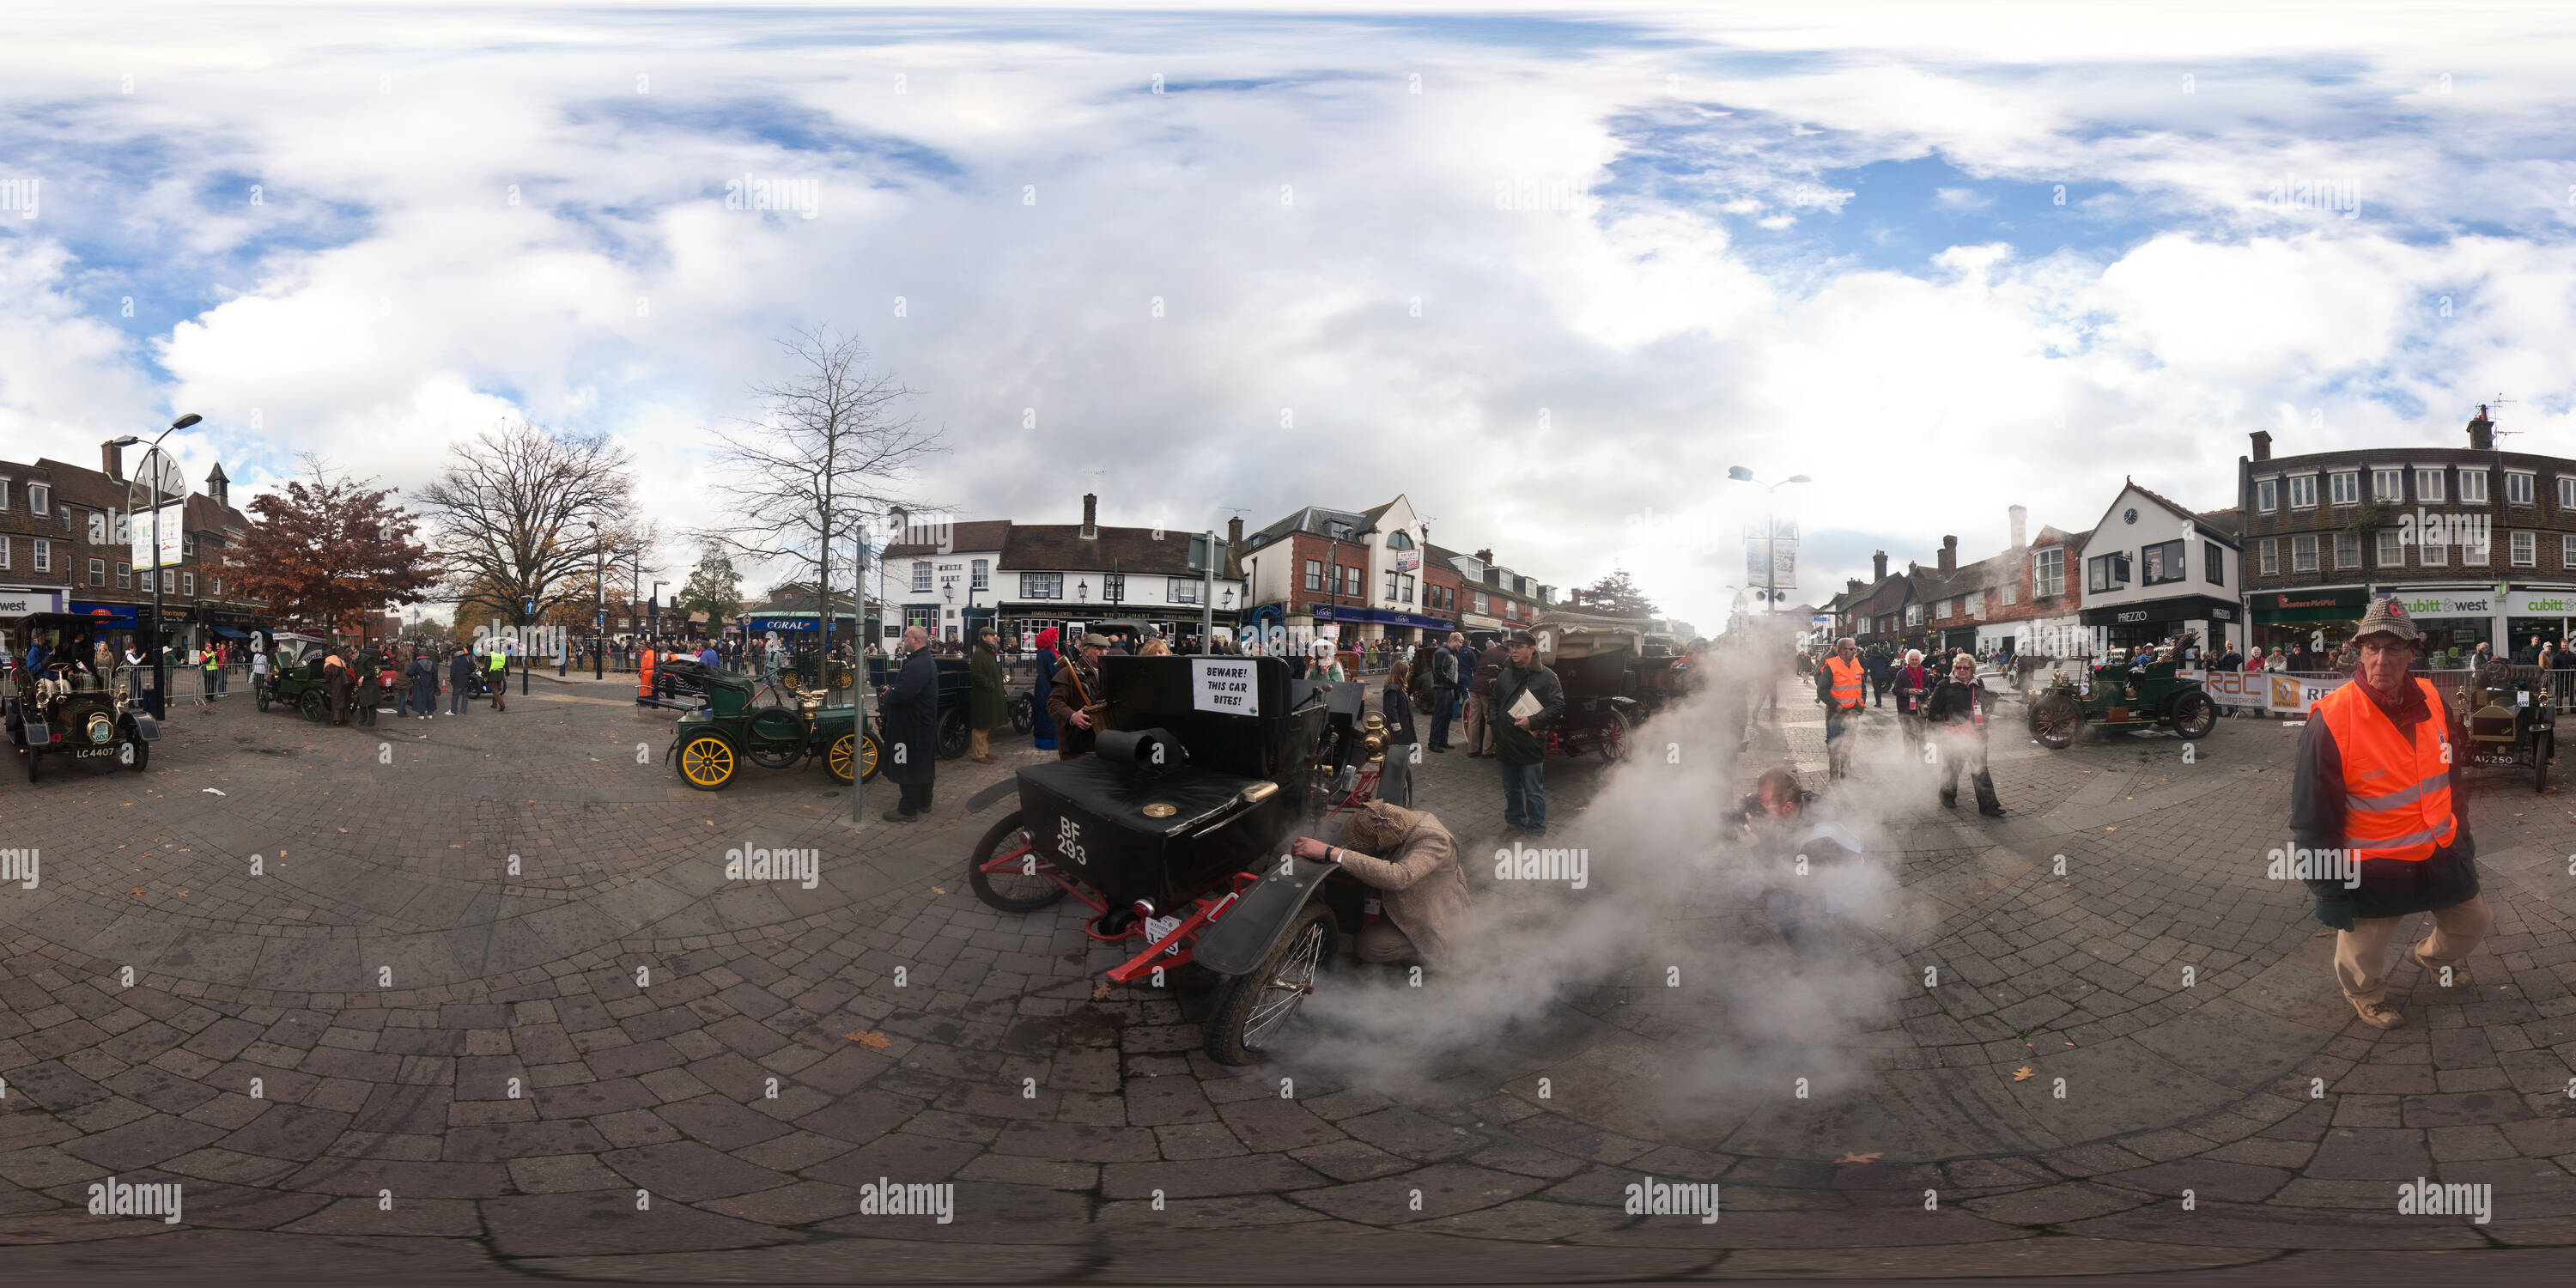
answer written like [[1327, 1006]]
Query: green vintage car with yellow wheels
[[742, 721]]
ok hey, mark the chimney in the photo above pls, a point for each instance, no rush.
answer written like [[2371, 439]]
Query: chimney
[[2020, 524], [2262, 444], [1878, 565], [1485, 556], [111, 458], [1852, 587], [1234, 533], [1090, 517], [1949, 555], [2482, 431]]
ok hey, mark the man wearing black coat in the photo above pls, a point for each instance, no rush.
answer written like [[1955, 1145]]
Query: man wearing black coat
[[1516, 737], [460, 681], [912, 728], [1444, 688]]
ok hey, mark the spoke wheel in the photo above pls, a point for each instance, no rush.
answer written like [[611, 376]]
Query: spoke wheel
[[2195, 715], [838, 758], [2055, 721], [952, 736], [259, 697], [871, 759], [1008, 873], [1614, 737], [314, 705], [1258, 1008], [1020, 719], [141, 757], [707, 761], [773, 757]]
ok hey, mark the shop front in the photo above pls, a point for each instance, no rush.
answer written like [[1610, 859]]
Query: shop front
[[2210, 622], [2319, 620], [2454, 622], [1377, 623], [2547, 614], [24, 601]]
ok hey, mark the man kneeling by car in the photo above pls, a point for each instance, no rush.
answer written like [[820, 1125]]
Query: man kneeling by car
[[1422, 890]]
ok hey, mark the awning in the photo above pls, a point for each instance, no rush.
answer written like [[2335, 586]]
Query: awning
[[229, 633]]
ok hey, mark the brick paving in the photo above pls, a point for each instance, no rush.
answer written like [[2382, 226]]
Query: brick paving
[[616, 1063]]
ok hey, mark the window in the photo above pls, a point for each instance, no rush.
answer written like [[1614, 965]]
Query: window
[[2214, 563], [2161, 563], [2303, 553], [1390, 587], [920, 577], [2388, 485], [98, 570], [1407, 597], [2474, 551], [1340, 531], [2517, 487], [1352, 585], [4, 554], [1182, 590], [1399, 540], [2267, 495], [1480, 603], [1914, 614], [2432, 554], [2048, 574], [2567, 491], [2012, 594], [4, 498], [2347, 549], [2392, 548], [2428, 483], [1977, 604], [187, 543], [188, 583], [2271, 557], [1315, 576], [2473, 487], [97, 528], [2566, 553], [2107, 572], [1113, 587], [40, 498], [982, 576], [2346, 485], [1041, 585], [2523, 549], [124, 574], [44, 555], [2303, 491]]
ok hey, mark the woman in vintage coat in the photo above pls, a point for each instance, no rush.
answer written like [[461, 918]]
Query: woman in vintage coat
[[1041, 723], [912, 727]]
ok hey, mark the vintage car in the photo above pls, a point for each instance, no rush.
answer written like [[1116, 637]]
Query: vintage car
[[68, 711], [1175, 833], [2512, 720], [680, 684], [2119, 695], [956, 691], [1614, 672], [745, 719], [295, 679]]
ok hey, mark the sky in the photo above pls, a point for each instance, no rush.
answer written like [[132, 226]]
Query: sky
[[1549, 273]]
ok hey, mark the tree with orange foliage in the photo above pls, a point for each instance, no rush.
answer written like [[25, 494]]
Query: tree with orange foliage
[[331, 549]]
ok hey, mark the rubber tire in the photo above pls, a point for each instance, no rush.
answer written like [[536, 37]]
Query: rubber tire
[[142, 754], [982, 883], [731, 764], [1020, 717], [836, 759], [314, 705], [2202, 703], [2056, 702], [953, 736], [1224, 1027], [873, 756], [259, 697], [1614, 740]]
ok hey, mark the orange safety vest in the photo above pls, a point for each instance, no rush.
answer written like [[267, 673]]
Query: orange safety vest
[[644, 674], [1847, 682], [2397, 790]]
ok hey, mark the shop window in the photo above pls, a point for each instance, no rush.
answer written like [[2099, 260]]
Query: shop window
[[2428, 484], [2303, 491], [2267, 495], [2392, 548], [2473, 487], [2346, 485], [2517, 487], [2523, 548], [2347, 550], [2303, 553], [2388, 485]]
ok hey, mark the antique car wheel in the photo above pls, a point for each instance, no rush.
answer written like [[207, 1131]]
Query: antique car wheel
[[1013, 889], [871, 758], [1257, 1007], [315, 707], [773, 757], [837, 758], [259, 697], [707, 761], [1614, 737], [2195, 715], [2055, 721], [1020, 717], [142, 753], [952, 736]]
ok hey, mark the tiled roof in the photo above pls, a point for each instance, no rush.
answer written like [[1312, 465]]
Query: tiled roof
[[1060, 547], [974, 534]]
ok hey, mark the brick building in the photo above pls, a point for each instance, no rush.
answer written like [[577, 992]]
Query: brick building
[[2479, 543], [65, 540]]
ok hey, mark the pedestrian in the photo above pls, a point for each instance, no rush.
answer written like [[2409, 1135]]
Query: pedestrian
[[1395, 771], [499, 675], [1526, 699], [424, 684], [1412, 861], [1914, 684], [214, 670], [912, 728], [1481, 714], [1444, 689], [368, 684], [1042, 693], [1879, 671], [1957, 710], [1838, 690], [259, 665], [2378, 796], [988, 708], [338, 683], [1075, 699], [460, 681], [1155, 647]]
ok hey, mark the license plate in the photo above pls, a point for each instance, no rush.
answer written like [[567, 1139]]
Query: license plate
[[93, 753], [1157, 927]]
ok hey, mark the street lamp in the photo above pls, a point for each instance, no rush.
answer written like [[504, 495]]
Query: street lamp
[[1770, 530], [656, 603], [160, 665], [599, 612]]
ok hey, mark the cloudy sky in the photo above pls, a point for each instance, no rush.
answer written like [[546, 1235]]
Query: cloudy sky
[[1547, 272]]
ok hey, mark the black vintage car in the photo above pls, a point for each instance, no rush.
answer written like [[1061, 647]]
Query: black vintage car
[[71, 712], [956, 690], [1175, 832]]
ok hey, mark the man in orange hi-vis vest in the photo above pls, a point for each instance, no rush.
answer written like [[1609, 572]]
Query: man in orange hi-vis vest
[[643, 676], [2380, 823], [1839, 687]]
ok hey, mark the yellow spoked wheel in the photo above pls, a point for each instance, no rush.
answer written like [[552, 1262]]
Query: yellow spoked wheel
[[707, 761], [838, 759]]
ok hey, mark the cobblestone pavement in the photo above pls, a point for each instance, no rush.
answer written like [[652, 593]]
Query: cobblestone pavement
[[293, 970]]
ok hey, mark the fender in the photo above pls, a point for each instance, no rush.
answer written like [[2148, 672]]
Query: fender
[[145, 728], [38, 733], [985, 799], [1240, 940]]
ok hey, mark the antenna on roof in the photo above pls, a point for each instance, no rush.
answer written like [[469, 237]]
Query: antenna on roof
[[2499, 400]]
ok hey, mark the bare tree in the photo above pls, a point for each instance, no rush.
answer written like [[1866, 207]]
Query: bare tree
[[820, 464], [514, 513]]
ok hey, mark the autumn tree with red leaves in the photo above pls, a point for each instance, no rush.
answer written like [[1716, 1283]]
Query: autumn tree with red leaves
[[331, 549]]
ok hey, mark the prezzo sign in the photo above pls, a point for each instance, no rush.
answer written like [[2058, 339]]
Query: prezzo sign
[[1224, 685], [2133, 615]]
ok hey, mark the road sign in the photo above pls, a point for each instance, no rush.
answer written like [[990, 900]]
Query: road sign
[[140, 530]]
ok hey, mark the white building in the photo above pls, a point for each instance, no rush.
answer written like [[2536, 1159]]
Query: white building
[[2153, 569]]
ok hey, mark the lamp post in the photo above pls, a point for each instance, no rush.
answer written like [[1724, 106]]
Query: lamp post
[[1770, 530], [160, 664], [599, 610], [656, 604], [896, 517]]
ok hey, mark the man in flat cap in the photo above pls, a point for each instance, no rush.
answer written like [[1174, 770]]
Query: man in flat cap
[[1412, 862], [2379, 806], [1076, 699]]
